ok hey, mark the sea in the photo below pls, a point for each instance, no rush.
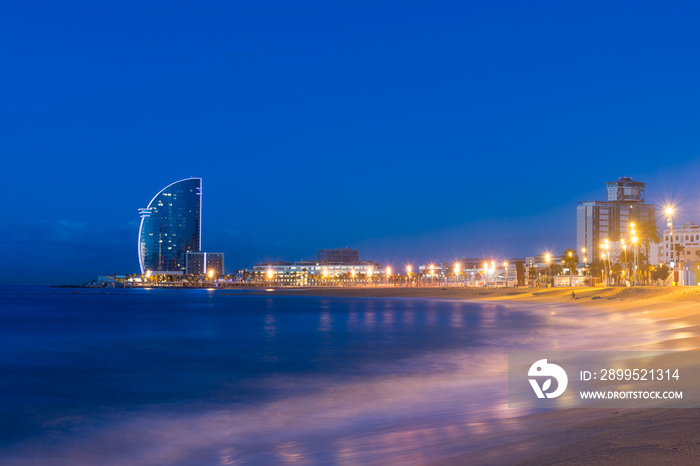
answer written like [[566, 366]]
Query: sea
[[192, 377]]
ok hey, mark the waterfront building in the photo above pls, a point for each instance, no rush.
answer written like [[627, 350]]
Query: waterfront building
[[340, 266], [598, 221], [688, 237], [205, 263], [342, 255], [171, 227]]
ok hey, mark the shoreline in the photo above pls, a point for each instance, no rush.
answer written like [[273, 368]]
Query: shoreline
[[584, 435], [580, 435]]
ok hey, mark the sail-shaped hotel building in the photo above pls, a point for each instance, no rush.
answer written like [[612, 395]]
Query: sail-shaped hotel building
[[171, 227]]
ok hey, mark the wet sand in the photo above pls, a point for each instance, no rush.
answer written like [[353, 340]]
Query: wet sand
[[588, 436]]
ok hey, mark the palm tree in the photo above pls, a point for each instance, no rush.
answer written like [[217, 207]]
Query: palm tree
[[679, 250], [649, 233], [570, 260]]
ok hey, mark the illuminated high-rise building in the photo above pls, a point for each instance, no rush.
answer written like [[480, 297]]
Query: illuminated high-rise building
[[609, 222], [171, 227]]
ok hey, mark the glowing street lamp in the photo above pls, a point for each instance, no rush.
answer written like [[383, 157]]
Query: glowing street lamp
[[388, 274], [635, 242], [669, 220], [211, 273], [547, 258], [505, 264]]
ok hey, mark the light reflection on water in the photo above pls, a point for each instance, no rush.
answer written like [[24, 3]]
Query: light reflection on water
[[225, 379]]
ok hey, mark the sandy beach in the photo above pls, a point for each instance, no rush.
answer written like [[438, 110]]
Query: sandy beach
[[587, 436]]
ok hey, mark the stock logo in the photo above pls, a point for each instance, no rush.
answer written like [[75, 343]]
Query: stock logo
[[542, 369]]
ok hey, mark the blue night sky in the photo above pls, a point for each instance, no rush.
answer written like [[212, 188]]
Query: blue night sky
[[414, 131]]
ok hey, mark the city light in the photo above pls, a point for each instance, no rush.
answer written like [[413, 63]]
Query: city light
[[388, 271], [669, 210], [270, 273], [408, 270], [211, 273], [457, 269]]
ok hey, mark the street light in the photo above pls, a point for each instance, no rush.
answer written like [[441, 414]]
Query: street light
[[669, 220], [635, 240], [624, 248], [547, 259], [388, 274], [606, 246], [457, 270], [486, 272], [505, 264]]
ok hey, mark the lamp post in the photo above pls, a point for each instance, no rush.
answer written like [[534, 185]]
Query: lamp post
[[606, 247], [388, 274], [457, 271], [408, 275], [505, 264], [547, 259], [624, 248], [669, 220], [635, 242]]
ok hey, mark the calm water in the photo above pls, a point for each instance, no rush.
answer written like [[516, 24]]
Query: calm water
[[218, 377]]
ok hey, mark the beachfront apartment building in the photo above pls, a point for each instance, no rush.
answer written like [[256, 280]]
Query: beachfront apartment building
[[598, 221], [688, 236]]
